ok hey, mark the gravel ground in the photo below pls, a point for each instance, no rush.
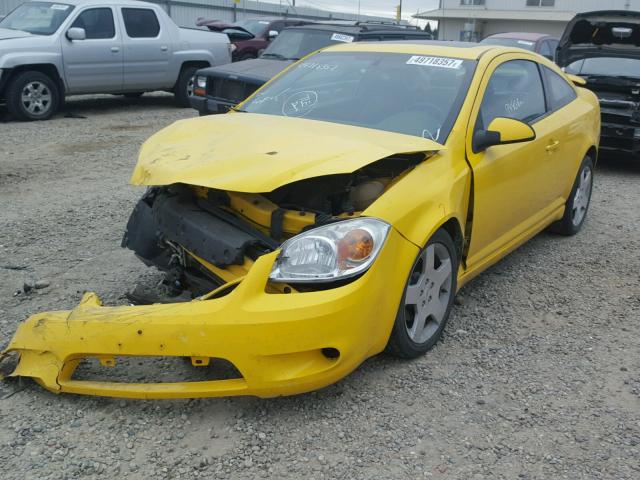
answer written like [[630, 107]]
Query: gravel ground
[[538, 375]]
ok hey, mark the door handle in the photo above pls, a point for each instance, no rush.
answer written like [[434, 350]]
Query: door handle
[[164, 48], [553, 146], [115, 49]]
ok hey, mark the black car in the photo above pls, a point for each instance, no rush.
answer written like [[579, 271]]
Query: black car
[[219, 88], [604, 49]]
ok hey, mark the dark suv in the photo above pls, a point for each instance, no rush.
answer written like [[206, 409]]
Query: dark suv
[[219, 88], [603, 48], [251, 36]]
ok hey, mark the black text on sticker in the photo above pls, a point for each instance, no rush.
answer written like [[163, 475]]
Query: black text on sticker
[[441, 62]]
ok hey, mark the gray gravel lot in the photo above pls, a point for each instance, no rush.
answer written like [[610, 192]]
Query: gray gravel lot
[[538, 375]]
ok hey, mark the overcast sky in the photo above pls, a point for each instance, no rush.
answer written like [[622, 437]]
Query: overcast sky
[[369, 7]]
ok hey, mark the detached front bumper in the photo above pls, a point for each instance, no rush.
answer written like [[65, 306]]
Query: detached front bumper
[[275, 341]]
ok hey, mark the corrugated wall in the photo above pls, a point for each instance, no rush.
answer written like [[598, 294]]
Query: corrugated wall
[[186, 12]]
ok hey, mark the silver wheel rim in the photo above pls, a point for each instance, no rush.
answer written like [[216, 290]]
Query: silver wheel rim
[[428, 293], [582, 196], [190, 84], [36, 98]]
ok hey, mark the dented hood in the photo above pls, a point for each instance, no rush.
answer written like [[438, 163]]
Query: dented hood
[[255, 153]]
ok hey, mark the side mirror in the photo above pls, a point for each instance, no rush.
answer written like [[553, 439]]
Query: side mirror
[[502, 131], [577, 81], [76, 33], [272, 34]]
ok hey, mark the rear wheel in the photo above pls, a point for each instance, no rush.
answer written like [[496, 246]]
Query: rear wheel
[[184, 87], [32, 95], [427, 299], [577, 205]]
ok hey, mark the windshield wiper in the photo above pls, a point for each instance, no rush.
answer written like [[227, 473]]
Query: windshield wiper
[[278, 56]]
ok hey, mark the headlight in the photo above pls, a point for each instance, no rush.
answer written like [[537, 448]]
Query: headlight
[[332, 252], [201, 82]]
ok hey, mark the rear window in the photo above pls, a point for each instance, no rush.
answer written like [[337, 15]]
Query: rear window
[[295, 44], [140, 22], [510, 42]]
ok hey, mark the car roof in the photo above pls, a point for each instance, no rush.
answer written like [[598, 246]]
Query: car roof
[[463, 50], [125, 3], [359, 28], [534, 37]]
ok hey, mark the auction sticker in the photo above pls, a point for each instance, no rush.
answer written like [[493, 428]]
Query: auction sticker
[[57, 6], [441, 62], [339, 37]]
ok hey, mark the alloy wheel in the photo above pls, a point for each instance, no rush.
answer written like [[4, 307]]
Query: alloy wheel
[[582, 196], [36, 98], [428, 293]]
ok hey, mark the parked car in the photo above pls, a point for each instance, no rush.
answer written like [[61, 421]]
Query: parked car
[[250, 37], [51, 50], [334, 215], [219, 88], [540, 43], [602, 48]]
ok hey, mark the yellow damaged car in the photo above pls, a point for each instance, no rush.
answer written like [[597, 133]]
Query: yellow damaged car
[[331, 216]]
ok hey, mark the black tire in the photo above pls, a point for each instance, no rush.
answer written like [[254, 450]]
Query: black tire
[[246, 56], [181, 90], [401, 344], [133, 94], [45, 102], [577, 204]]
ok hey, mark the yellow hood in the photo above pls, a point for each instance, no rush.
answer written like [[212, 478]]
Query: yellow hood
[[256, 153]]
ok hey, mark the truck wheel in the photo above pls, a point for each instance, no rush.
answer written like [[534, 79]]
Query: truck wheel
[[427, 299], [33, 95], [184, 87]]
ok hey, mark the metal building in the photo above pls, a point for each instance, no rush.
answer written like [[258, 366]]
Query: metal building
[[185, 13], [473, 20]]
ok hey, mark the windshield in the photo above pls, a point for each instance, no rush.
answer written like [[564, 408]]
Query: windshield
[[38, 18], [404, 93], [606, 66], [256, 27], [295, 44], [510, 42]]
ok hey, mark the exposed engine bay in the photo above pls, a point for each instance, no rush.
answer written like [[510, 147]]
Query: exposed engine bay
[[205, 240]]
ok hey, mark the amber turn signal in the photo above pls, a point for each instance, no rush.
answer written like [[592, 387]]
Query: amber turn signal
[[355, 246]]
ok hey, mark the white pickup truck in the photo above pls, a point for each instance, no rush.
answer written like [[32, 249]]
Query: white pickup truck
[[50, 50]]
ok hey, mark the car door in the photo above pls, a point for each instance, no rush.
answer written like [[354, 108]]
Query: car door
[[95, 63], [514, 191], [147, 50]]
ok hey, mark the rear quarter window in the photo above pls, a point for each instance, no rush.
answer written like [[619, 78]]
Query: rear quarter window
[[559, 92]]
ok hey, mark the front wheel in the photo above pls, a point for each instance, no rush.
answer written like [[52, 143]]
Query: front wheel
[[33, 95], [427, 299], [577, 205]]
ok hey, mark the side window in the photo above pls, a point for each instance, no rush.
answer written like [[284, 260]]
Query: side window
[[140, 22], [514, 91], [559, 92], [97, 23], [545, 50], [277, 26]]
